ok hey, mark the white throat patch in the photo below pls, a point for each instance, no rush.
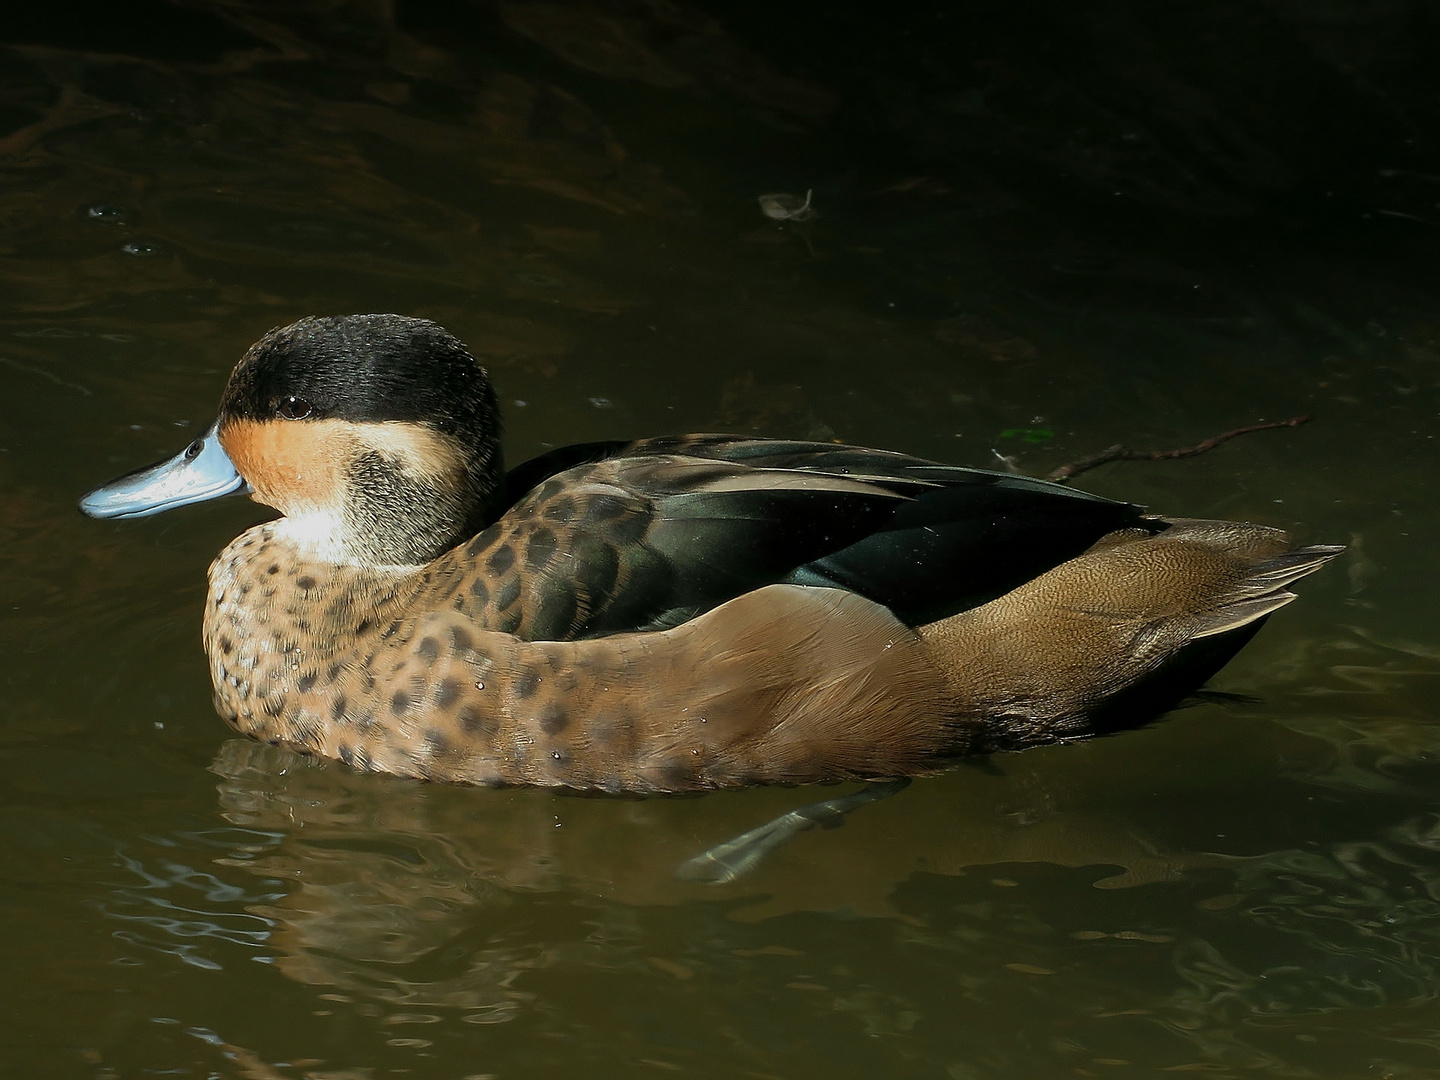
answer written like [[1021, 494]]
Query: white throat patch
[[319, 533]]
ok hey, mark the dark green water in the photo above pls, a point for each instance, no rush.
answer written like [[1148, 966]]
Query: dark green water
[[1124, 225]]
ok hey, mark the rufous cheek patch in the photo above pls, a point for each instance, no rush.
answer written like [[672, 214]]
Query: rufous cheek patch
[[295, 465], [290, 463]]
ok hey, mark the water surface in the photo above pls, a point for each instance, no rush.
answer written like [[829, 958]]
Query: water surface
[[1038, 233]]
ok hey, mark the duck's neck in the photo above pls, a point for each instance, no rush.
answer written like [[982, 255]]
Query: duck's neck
[[393, 516], [385, 529]]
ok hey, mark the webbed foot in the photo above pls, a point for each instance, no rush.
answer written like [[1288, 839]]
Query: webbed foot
[[737, 857]]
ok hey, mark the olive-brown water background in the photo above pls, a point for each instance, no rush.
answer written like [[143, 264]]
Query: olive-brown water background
[[1042, 229]]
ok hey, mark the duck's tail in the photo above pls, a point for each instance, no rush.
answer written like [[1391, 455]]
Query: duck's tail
[[1118, 635]]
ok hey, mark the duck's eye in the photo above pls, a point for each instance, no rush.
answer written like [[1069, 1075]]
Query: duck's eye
[[193, 450], [293, 408]]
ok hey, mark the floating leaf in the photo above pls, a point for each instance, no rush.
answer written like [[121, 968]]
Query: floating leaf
[[781, 207]]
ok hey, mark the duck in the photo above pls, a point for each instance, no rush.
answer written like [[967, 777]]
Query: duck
[[675, 614]]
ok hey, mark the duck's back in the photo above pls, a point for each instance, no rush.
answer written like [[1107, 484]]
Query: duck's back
[[647, 535]]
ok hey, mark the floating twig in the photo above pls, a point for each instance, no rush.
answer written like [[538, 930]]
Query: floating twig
[[31, 370], [1122, 453]]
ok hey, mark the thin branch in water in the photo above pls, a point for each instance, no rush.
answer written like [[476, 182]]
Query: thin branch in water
[[1122, 453], [30, 370]]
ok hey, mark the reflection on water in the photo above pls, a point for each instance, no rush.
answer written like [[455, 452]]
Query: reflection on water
[[1019, 232], [165, 925]]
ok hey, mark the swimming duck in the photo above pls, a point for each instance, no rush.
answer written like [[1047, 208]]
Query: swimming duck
[[675, 614]]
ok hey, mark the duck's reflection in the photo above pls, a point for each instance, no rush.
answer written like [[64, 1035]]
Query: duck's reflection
[[426, 895]]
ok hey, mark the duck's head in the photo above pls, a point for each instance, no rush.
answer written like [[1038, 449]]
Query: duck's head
[[376, 436]]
